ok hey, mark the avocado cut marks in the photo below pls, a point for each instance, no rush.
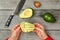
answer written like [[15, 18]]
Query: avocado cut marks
[[27, 13], [48, 17], [27, 27]]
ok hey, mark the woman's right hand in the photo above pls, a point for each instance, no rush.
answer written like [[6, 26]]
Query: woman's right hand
[[40, 31], [15, 32]]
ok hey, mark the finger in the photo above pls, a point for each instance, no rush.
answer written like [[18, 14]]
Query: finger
[[18, 29], [38, 29], [14, 27], [34, 30], [38, 32], [39, 25]]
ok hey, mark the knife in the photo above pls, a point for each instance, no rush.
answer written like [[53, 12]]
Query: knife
[[17, 10]]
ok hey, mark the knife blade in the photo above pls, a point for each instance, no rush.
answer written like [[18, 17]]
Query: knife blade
[[16, 11]]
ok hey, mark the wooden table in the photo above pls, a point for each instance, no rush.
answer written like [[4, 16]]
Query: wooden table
[[7, 7]]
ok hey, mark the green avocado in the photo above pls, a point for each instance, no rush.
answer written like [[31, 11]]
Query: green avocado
[[48, 17]]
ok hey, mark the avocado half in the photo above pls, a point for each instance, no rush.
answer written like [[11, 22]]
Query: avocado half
[[27, 26], [27, 13]]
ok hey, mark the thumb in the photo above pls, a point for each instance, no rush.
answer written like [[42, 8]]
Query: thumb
[[18, 29]]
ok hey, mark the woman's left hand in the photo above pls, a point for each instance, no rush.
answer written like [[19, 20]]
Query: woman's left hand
[[40, 31], [15, 32]]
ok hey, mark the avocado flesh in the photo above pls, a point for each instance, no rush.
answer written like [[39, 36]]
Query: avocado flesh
[[27, 13], [27, 26]]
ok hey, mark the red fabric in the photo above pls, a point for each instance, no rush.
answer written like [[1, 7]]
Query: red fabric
[[48, 38], [7, 38]]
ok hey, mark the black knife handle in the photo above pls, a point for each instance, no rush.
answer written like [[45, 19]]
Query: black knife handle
[[9, 20]]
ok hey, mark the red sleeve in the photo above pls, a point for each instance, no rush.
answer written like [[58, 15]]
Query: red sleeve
[[49, 38]]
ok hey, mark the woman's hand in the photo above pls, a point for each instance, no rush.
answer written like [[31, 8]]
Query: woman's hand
[[15, 32], [40, 31]]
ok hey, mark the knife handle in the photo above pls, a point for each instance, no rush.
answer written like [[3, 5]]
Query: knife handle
[[9, 20]]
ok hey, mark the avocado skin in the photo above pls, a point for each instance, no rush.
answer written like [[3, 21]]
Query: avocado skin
[[48, 17]]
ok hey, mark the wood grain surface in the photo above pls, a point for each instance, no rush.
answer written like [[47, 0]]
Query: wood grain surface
[[7, 7]]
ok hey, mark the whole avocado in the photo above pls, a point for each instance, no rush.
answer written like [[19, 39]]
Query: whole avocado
[[48, 17]]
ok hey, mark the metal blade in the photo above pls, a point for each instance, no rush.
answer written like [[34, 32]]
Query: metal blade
[[16, 11], [19, 7]]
